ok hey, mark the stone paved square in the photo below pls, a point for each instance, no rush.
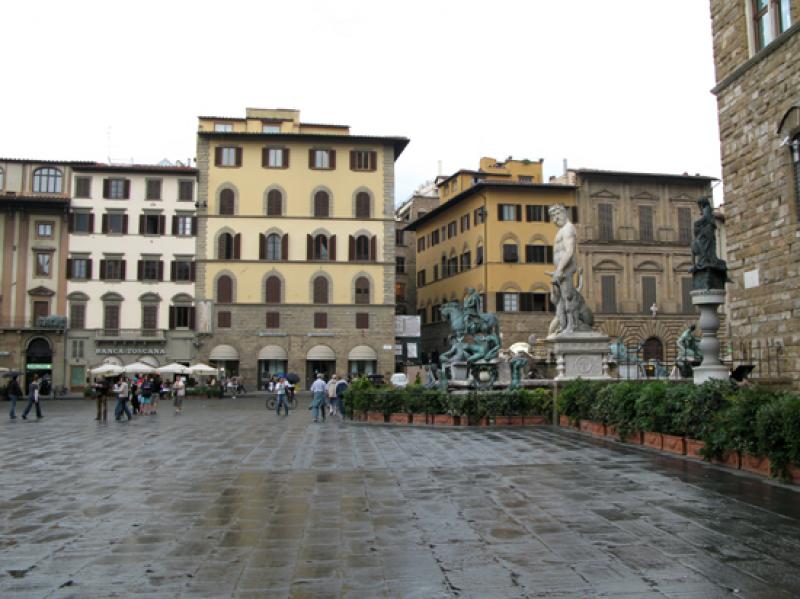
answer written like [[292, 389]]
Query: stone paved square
[[228, 500]]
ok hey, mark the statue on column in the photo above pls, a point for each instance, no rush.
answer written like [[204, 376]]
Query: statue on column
[[708, 270], [572, 313]]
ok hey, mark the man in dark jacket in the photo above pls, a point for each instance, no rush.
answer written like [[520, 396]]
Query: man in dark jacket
[[14, 392], [33, 399], [101, 391]]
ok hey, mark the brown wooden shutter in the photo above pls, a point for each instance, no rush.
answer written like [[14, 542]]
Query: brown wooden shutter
[[125, 224], [89, 268], [192, 272], [519, 213], [91, 223], [499, 212], [309, 247], [162, 224], [160, 270], [609, 294], [264, 156], [498, 302], [352, 160], [332, 247], [106, 188], [217, 156], [172, 270], [194, 225], [238, 156], [191, 318], [285, 247], [373, 160], [141, 224], [172, 317], [71, 222], [69, 268], [237, 246], [262, 246], [285, 157], [373, 248], [127, 192], [351, 251], [311, 159], [174, 224], [104, 224], [333, 159], [139, 269], [123, 269], [102, 273]]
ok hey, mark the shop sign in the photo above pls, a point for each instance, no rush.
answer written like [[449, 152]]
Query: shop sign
[[152, 351], [39, 367]]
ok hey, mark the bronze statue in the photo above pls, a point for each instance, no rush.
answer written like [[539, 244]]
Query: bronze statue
[[708, 270]]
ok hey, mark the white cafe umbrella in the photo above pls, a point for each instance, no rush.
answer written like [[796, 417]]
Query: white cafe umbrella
[[203, 369], [107, 369], [173, 368], [138, 368]]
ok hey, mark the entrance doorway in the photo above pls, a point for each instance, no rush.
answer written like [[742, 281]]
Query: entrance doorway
[[38, 360], [314, 367], [653, 349]]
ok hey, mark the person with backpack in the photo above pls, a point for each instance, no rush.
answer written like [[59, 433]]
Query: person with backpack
[[14, 392], [33, 399], [147, 394], [341, 387]]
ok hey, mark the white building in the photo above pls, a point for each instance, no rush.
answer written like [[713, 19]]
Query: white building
[[131, 266]]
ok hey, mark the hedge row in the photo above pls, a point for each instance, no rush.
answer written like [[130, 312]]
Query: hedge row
[[752, 419]]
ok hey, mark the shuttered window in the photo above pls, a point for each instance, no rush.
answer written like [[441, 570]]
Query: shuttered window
[[686, 296], [273, 320], [362, 320], [149, 320], [510, 252], [606, 221], [363, 205], [228, 156], [224, 319], [226, 202], [111, 319], [274, 203], [646, 223], [320, 320], [83, 187], [608, 285], [539, 254], [153, 189], [648, 293], [322, 204], [320, 290], [685, 225], [363, 160], [224, 290], [77, 316], [362, 290], [272, 293]]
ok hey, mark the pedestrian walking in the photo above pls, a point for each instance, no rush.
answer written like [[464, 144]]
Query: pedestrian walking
[[14, 392], [134, 395], [318, 388], [180, 392], [331, 395], [147, 394], [341, 387], [121, 390], [101, 398], [33, 399], [281, 392]]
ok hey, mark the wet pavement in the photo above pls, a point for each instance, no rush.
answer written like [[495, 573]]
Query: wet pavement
[[228, 500]]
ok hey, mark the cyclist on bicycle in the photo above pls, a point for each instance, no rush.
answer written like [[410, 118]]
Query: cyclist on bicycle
[[281, 390]]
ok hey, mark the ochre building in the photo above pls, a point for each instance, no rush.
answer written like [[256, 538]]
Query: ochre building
[[295, 247], [757, 60]]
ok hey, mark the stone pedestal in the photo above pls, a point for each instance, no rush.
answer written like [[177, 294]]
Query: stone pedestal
[[580, 355], [629, 372], [459, 371], [708, 300]]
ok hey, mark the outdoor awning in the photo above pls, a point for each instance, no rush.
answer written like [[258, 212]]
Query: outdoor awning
[[362, 352], [272, 352], [320, 352], [224, 352]]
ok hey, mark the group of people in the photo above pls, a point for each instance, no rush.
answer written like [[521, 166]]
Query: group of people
[[143, 393], [14, 392], [328, 396]]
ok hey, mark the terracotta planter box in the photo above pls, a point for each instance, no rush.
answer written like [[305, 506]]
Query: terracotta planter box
[[794, 474], [674, 444], [731, 459], [509, 420], [564, 421], [419, 419], [693, 447], [534, 420], [756, 464], [634, 438], [654, 440], [611, 431], [375, 417], [400, 418], [445, 419], [597, 429]]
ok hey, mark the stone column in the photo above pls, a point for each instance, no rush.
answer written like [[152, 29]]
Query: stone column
[[708, 300]]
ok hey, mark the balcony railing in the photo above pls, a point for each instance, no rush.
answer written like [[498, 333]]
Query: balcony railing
[[131, 334], [56, 323]]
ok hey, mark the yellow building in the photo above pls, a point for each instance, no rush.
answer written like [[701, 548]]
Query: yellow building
[[295, 246], [491, 232]]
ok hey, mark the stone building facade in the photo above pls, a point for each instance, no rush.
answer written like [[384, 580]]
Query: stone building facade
[[130, 268], [757, 60], [295, 246]]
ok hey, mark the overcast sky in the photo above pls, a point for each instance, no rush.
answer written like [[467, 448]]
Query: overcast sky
[[620, 84]]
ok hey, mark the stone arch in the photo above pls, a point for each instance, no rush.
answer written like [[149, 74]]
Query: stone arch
[[267, 275], [510, 286], [539, 287], [649, 266], [608, 265], [683, 267], [538, 239], [320, 231], [218, 192], [509, 237], [452, 253], [465, 247], [150, 297], [234, 284], [355, 278], [371, 196], [315, 276], [219, 233], [111, 296], [284, 200], [182, 298], [314, 192], [78, 296]]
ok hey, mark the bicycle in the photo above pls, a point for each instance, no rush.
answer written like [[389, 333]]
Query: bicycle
[[272, 402]]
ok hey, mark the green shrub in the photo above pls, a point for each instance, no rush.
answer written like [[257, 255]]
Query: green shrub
[[538, 402], [617, 406], [702, 403], [791, 427], [771, 433], [575, 399], [734, 427]]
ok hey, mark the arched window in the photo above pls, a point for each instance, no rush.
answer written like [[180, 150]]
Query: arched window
[[274, 203], [362, 290], [225, 247], [273, 246], [321, 247], [224, 290], [362, 205], [47, 180], [226, 201], [362, 247], [272, 293], [653, 349], [322, 203], [320, 290]]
